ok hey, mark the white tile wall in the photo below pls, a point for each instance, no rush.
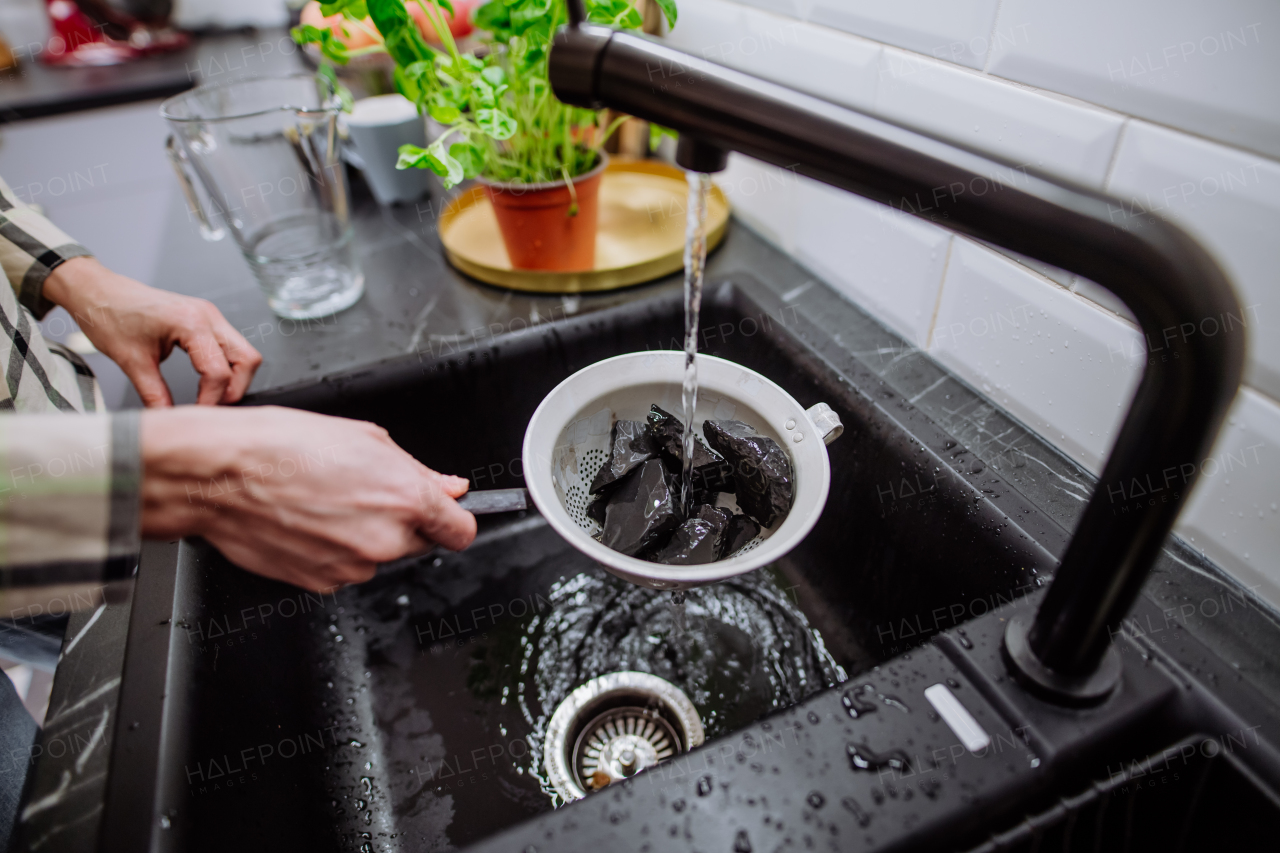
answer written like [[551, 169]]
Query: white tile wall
[[1027, 343], [883, 259], [763, 196], [1070, 139], [1228, 198], [955, 30], [1234, 515], [1210, 68], [1056, 86], [812, 59]]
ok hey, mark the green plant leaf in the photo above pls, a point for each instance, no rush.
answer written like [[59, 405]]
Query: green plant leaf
[[656, 132], [527, 13], [469, 157], [411, 156], [443, 112], [417, 69], [332, 47], [444, 165], [407, 84], [668, 8], [494, 76], [400, 35], [306, 34], [433, 157], [494, 17], [496, 124], [617, 13], [357, 9], [482, 93], [444, 4]]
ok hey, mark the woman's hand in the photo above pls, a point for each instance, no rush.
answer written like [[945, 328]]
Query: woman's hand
[[138, 326], [308, 499]]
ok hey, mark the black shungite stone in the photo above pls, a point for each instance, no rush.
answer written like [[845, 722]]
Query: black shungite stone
[[642, 510], [630, 444], [595, 509], [668, 431], [711, 474], [761, 469], [737, 533], [711, 513], [695, 541]]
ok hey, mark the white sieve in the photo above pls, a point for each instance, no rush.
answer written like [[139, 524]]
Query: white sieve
[[566, 440]]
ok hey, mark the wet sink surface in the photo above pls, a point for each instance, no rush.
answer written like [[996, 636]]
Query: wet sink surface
[[408, 713]]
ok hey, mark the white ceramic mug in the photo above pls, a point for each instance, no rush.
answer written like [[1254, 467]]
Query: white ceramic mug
[[376, 128]]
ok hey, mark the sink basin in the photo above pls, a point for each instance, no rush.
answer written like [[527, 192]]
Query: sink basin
[[409, 713]]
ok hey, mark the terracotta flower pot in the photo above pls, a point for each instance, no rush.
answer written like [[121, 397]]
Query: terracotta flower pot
[[536, 226]]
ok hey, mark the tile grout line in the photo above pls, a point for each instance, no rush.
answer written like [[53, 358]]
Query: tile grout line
[[1049, 94], [1115, 155], [937, 302], [991, 38]]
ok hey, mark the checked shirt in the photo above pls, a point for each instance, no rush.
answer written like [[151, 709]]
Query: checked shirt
[[68, 469]]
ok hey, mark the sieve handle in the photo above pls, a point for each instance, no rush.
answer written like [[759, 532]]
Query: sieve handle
[[489, 501]]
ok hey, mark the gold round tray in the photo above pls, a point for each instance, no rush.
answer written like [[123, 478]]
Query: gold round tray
[[640, 237]]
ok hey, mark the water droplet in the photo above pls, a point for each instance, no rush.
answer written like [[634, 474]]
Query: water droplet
[[813, 718], [678, 805], [965, 642], [741, 843], [403, 600], [815, 800], [895, 702], [367, 784], [856, 704], [357, 744], [862, 757], [361, 805], [164, 822], [704, 786], [953, 684], [860, 815]]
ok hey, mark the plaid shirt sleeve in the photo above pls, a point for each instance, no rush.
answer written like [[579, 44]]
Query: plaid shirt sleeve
[[30, 248], [68, 494], [69, 472]]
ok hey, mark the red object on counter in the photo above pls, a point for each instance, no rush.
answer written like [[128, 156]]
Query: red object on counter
[[91, 33]]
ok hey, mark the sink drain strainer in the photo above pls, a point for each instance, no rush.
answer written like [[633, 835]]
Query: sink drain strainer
[[613, 727]]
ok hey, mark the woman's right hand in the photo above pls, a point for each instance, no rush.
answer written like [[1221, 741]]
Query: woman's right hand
[[308, 499]]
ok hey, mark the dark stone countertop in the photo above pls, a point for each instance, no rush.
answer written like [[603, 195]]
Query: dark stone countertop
[[415, 302], [33, 89]]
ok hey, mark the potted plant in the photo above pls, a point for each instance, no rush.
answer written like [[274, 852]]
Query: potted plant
[[539, 160]]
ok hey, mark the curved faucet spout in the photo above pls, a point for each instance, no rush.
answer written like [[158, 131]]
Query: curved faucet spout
[[1165, 277]]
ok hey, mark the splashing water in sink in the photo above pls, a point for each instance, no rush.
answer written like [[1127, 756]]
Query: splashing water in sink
[[743, 651]]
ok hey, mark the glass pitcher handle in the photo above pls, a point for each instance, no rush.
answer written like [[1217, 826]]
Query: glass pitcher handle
[[178, 158]]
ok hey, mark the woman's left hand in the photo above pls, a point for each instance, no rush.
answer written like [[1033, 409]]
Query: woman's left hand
[[137, 326]]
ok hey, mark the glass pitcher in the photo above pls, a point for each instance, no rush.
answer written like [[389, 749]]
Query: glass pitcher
[[265, 157]]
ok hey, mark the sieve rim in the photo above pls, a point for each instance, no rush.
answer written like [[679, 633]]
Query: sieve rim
[[813, 482]]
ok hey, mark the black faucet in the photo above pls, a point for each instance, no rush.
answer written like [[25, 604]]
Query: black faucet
[[1165, 278]]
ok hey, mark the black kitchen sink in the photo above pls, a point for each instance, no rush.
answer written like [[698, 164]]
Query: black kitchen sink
[[409, 713]]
